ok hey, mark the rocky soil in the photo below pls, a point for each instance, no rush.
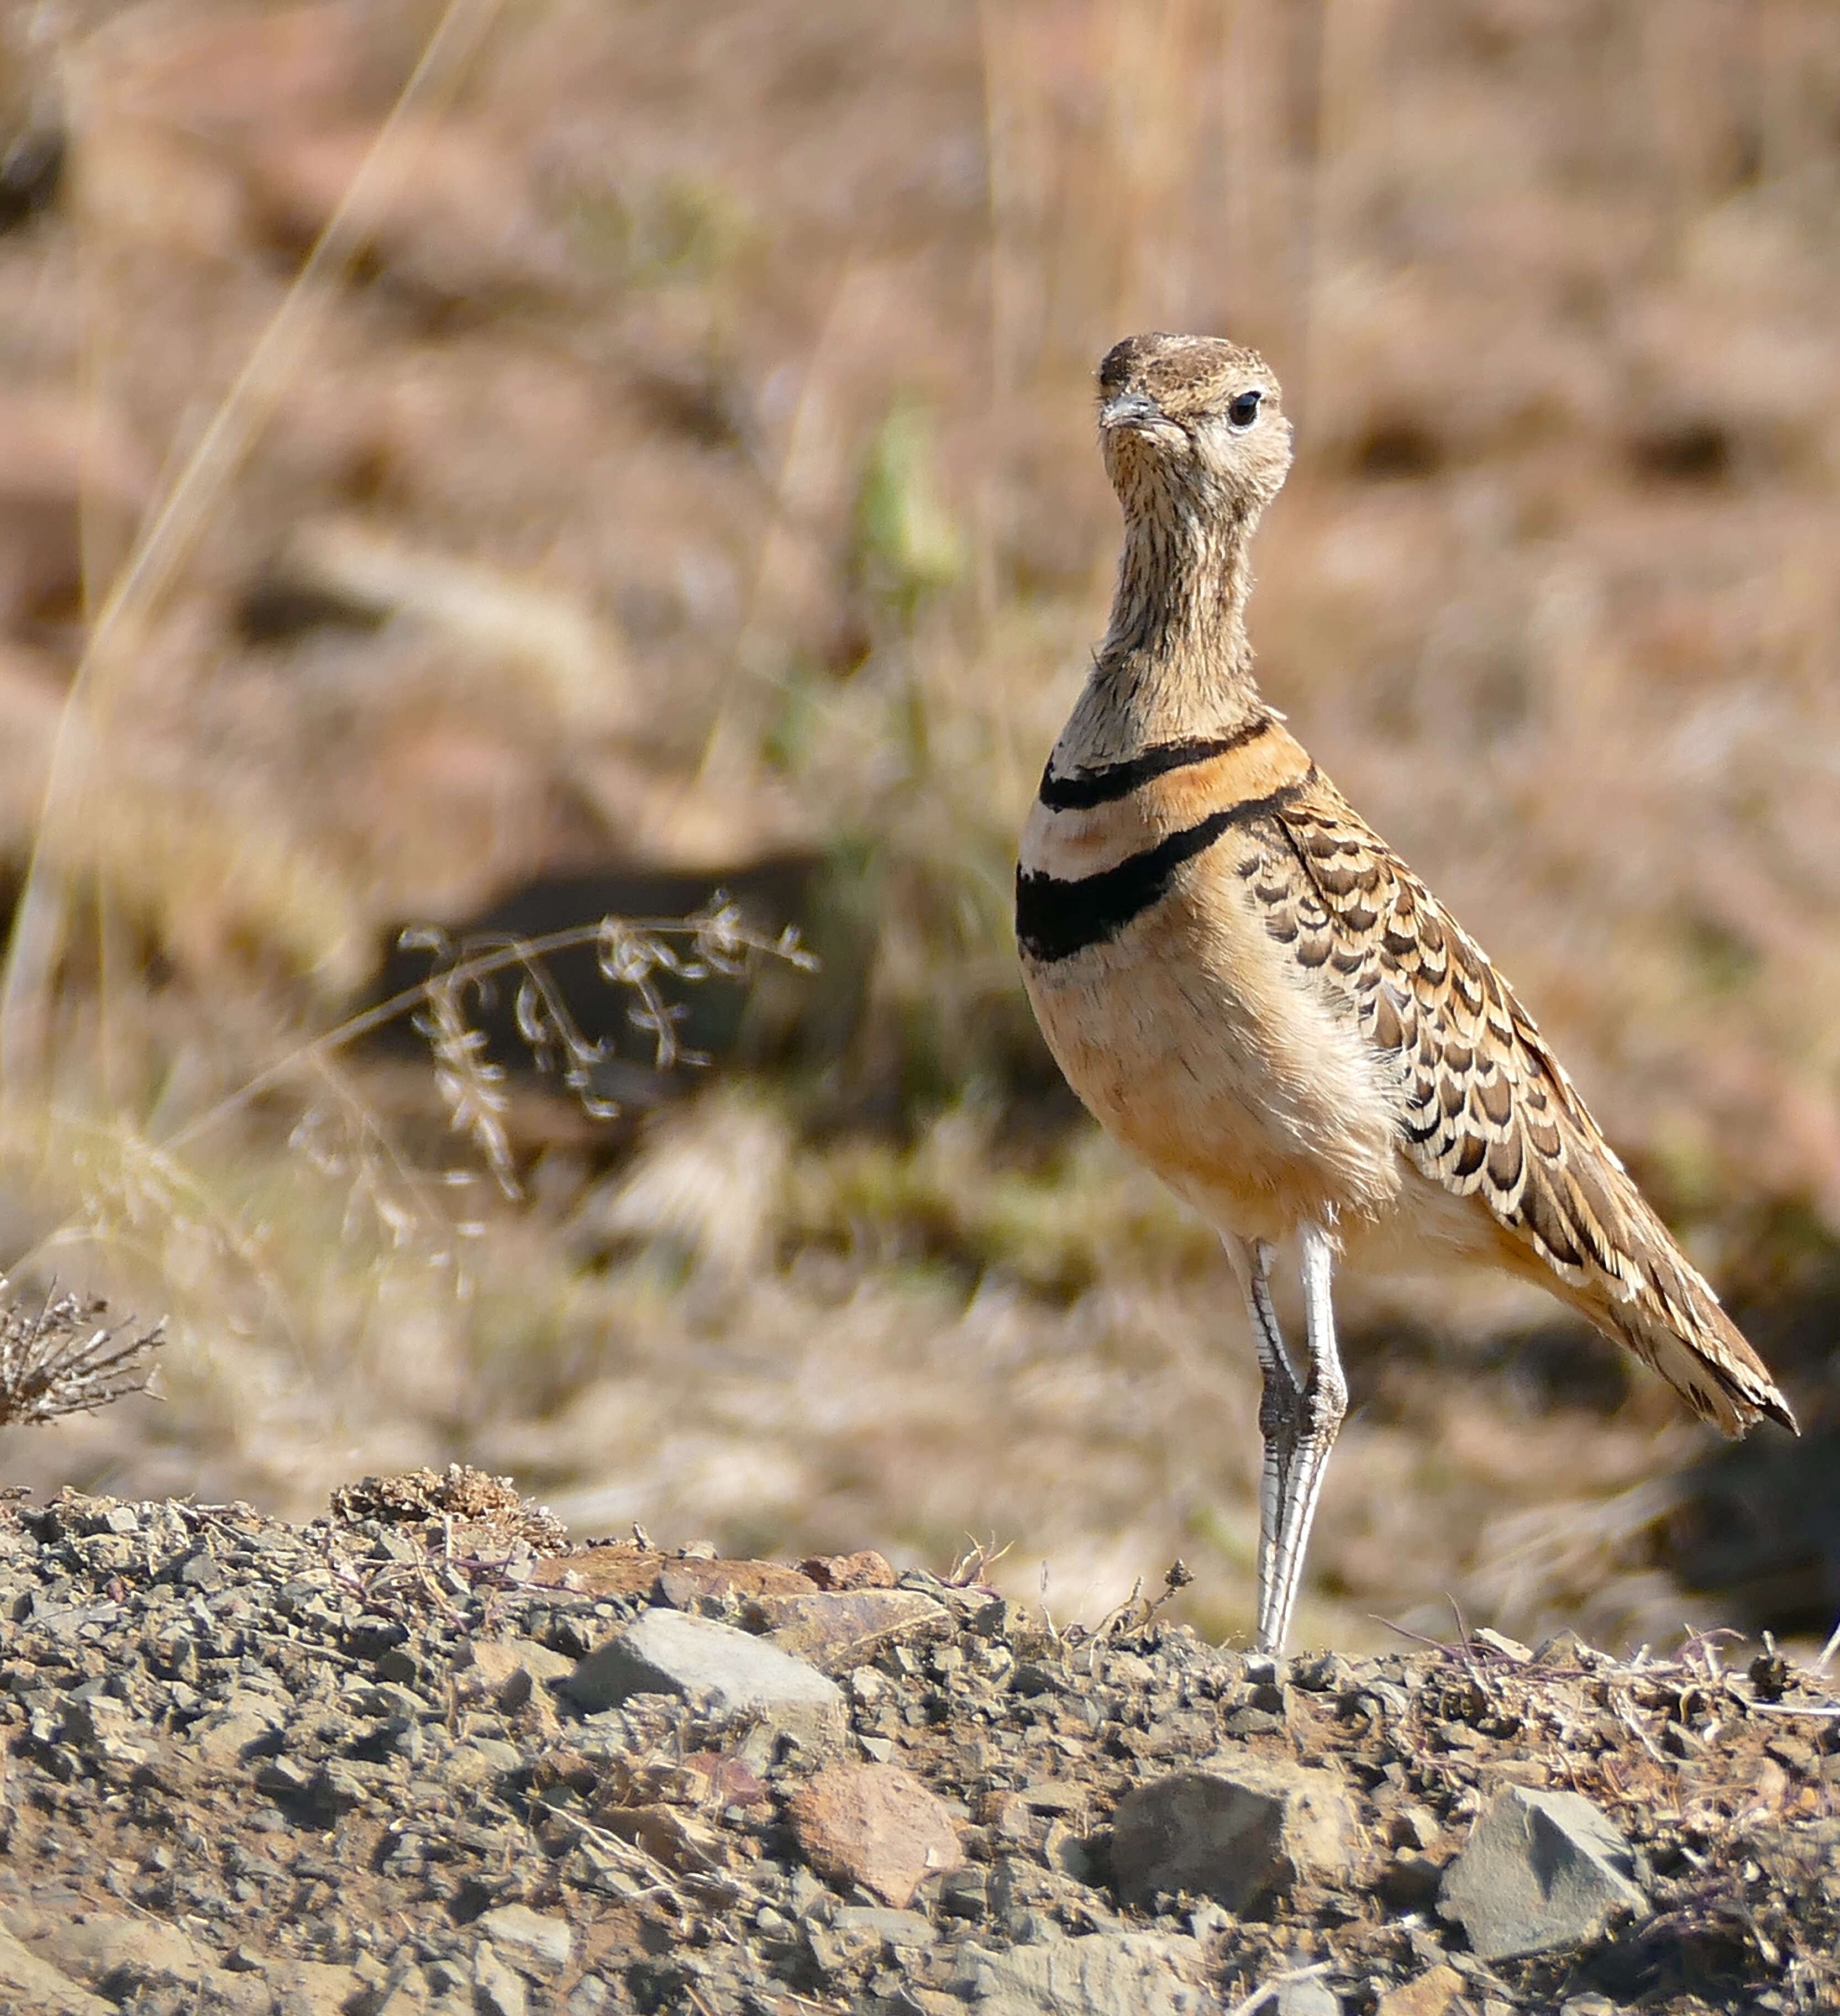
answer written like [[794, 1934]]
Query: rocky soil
[[425, 1756]]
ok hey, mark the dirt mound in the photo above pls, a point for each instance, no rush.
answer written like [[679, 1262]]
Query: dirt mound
[[375, 1765]]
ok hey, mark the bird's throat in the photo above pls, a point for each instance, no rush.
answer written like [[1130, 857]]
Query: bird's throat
[[1175, 659]]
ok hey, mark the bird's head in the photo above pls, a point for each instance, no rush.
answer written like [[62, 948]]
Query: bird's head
[[1191, 421]]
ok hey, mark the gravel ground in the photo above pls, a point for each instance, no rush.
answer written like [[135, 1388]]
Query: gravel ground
[[424, 1756]]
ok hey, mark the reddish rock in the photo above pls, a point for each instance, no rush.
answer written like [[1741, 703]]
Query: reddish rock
[[876, 1825], [865, 1569], [617, 1569], [836, 1633], [682, 1580], [621, 1569], [1430, 1993]]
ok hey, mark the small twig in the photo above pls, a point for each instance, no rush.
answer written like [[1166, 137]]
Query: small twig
[[1827, 1651]]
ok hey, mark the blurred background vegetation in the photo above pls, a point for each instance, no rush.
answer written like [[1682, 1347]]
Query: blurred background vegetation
[[489, 468]]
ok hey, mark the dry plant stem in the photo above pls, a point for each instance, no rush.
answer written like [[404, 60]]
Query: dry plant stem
[[63, 1359], [732, 940], [176, 523], [718, 941]]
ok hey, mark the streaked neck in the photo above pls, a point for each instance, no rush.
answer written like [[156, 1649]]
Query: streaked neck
[[1175, 661]]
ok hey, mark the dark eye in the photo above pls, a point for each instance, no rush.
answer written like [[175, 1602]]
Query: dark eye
[[1245, 410]]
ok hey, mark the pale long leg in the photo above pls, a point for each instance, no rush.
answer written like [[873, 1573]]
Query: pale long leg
[[1280, 1415], [1322, 1404]]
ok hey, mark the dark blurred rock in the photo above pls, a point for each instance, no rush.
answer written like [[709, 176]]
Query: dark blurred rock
[[30, 169], [1241, 1833]]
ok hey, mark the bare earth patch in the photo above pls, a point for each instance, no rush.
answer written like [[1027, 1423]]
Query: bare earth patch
[[356, 1766]]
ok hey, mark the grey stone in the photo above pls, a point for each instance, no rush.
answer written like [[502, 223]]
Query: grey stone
[[498, 1989], [670, 1652], [894, 1928], [524, 1935], [1240, 1833], [500, 1756], [1312, 1996], [1110, 1973], [1540, 1870]]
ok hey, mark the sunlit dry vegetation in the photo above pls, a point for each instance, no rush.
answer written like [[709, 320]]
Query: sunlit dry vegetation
[[623, 452]]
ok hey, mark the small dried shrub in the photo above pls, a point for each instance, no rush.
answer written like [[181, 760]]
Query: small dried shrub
[[64, 1358]]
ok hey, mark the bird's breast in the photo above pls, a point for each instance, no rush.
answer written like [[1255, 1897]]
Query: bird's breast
[[1185, 1029]]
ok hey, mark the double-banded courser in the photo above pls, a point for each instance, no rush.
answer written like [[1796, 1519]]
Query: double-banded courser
[[1258, 997]]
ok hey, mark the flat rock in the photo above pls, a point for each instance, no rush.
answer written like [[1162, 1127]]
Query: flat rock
[[312, 1987], [687, 1578], [497, 1988], [110, 1949], [525, 1936], [670, 1652], [1108, 1974], [894, 1928], [622, 1570], [1241, 1833], [616, 1569], [28, 1982], [876, 1825], [1540, 1870], [838, 1631]]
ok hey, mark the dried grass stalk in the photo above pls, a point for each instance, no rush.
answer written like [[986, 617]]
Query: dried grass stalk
[[64, 1358]]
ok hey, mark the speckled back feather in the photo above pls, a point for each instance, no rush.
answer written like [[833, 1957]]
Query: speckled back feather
[[1487, 1111]]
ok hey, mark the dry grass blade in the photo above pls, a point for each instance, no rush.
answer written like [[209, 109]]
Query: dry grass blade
[[63, 1359], [174, 527]]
